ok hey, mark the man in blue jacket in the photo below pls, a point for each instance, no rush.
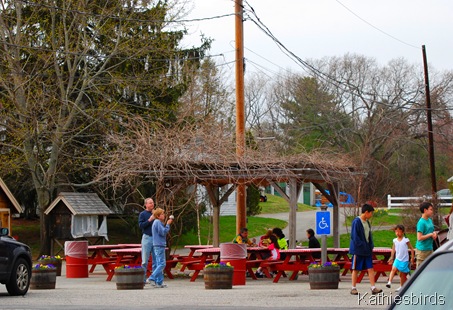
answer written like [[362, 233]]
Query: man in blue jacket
[[361, 248], [145, 222]]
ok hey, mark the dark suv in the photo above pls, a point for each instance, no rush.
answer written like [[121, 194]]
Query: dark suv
[[15, 264]]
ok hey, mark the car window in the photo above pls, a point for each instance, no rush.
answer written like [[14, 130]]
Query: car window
[[432, 289], [444, 192]]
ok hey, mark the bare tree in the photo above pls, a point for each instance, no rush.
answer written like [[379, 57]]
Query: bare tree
[[71, 71]]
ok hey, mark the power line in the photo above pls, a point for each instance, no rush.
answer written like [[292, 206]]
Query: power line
[[371, 25]]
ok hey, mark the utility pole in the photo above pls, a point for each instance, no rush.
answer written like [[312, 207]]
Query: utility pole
[[430, 138], [241, 193]]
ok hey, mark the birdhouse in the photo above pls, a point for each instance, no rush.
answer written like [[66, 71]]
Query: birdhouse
[[77, 215]]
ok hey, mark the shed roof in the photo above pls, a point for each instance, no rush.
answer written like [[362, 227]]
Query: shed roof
[[10, 196], [81, 204]]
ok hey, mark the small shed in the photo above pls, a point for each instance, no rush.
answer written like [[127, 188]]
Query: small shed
[[8, 206], [77, 215]]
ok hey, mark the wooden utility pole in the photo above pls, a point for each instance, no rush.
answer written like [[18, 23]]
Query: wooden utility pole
[[430, 125], [430, 139], [241, 193]]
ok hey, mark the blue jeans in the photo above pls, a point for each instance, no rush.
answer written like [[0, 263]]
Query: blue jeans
[[147, 250], [158, 273]]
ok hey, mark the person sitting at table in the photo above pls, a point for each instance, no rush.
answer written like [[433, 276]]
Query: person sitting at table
[[242, 238], [274, 247], [265, 239], [281, 240], [313, 243]]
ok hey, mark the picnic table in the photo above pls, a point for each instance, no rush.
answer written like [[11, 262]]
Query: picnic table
[[191, 257], [206, 256], [381, 264], [129, 256], [133, 256], [296, 260], [255, 256], [101, 254]]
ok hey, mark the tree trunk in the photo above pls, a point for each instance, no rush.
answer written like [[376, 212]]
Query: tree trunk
[[43, 203]]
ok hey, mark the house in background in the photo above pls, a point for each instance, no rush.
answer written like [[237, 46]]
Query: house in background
[[8, 206]]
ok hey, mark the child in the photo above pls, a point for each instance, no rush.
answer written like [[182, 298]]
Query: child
[[265, 239], [400, 250], [361, 248], [275, 254]]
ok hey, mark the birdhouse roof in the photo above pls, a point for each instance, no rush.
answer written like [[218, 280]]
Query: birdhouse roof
[[81, 204]]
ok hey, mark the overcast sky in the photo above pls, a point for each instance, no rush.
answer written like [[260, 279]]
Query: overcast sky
[[384, 30]]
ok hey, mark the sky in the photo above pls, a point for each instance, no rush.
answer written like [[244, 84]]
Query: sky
[[383, 30]]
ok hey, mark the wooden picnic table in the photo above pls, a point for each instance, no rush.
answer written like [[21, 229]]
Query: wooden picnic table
[[206, 256], [255, 256], [185, 260], [133, 256], [128, 256], [381, 264], [296, 260], [101, 254]]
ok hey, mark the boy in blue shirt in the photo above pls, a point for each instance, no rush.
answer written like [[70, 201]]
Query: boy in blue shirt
[[361, 248]]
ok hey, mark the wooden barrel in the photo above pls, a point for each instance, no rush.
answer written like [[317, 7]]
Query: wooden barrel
[[52, 261], [130, 278], [321, 278], [218, 278], [43, 279]]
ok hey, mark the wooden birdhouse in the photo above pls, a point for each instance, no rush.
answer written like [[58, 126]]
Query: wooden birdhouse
[[77, 216]]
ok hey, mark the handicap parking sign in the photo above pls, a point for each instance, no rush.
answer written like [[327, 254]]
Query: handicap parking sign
[[323, 223]]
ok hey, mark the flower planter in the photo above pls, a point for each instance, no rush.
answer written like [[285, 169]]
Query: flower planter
[[129, 278], [218, 278], [52, 261], [324, 278], [43, 279]]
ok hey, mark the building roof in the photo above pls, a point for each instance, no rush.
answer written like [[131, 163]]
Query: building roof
[[81, 204], [10, 196]]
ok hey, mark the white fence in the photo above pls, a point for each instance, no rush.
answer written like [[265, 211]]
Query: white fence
[[402, 202]]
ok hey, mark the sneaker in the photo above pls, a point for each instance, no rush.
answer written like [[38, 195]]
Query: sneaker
[[376, 290], [398, 289], [389, 285], [161, 285], [354, 291], [148, 281], [259, 275]]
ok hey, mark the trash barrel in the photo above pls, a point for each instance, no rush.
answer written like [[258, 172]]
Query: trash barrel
[[76, 253], [236, 255]]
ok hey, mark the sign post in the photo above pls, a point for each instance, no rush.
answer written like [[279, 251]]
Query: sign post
[[323, 229]]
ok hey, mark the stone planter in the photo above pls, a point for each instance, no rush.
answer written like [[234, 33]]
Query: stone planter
[[43, 279], [52, 261], [324, 278], [129, 278], [218, 278]]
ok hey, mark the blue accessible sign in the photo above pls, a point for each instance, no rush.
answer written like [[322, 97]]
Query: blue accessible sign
[[323, 223]]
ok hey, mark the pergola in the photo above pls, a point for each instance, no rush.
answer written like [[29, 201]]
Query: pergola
[[215, 176], [203, 152]]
